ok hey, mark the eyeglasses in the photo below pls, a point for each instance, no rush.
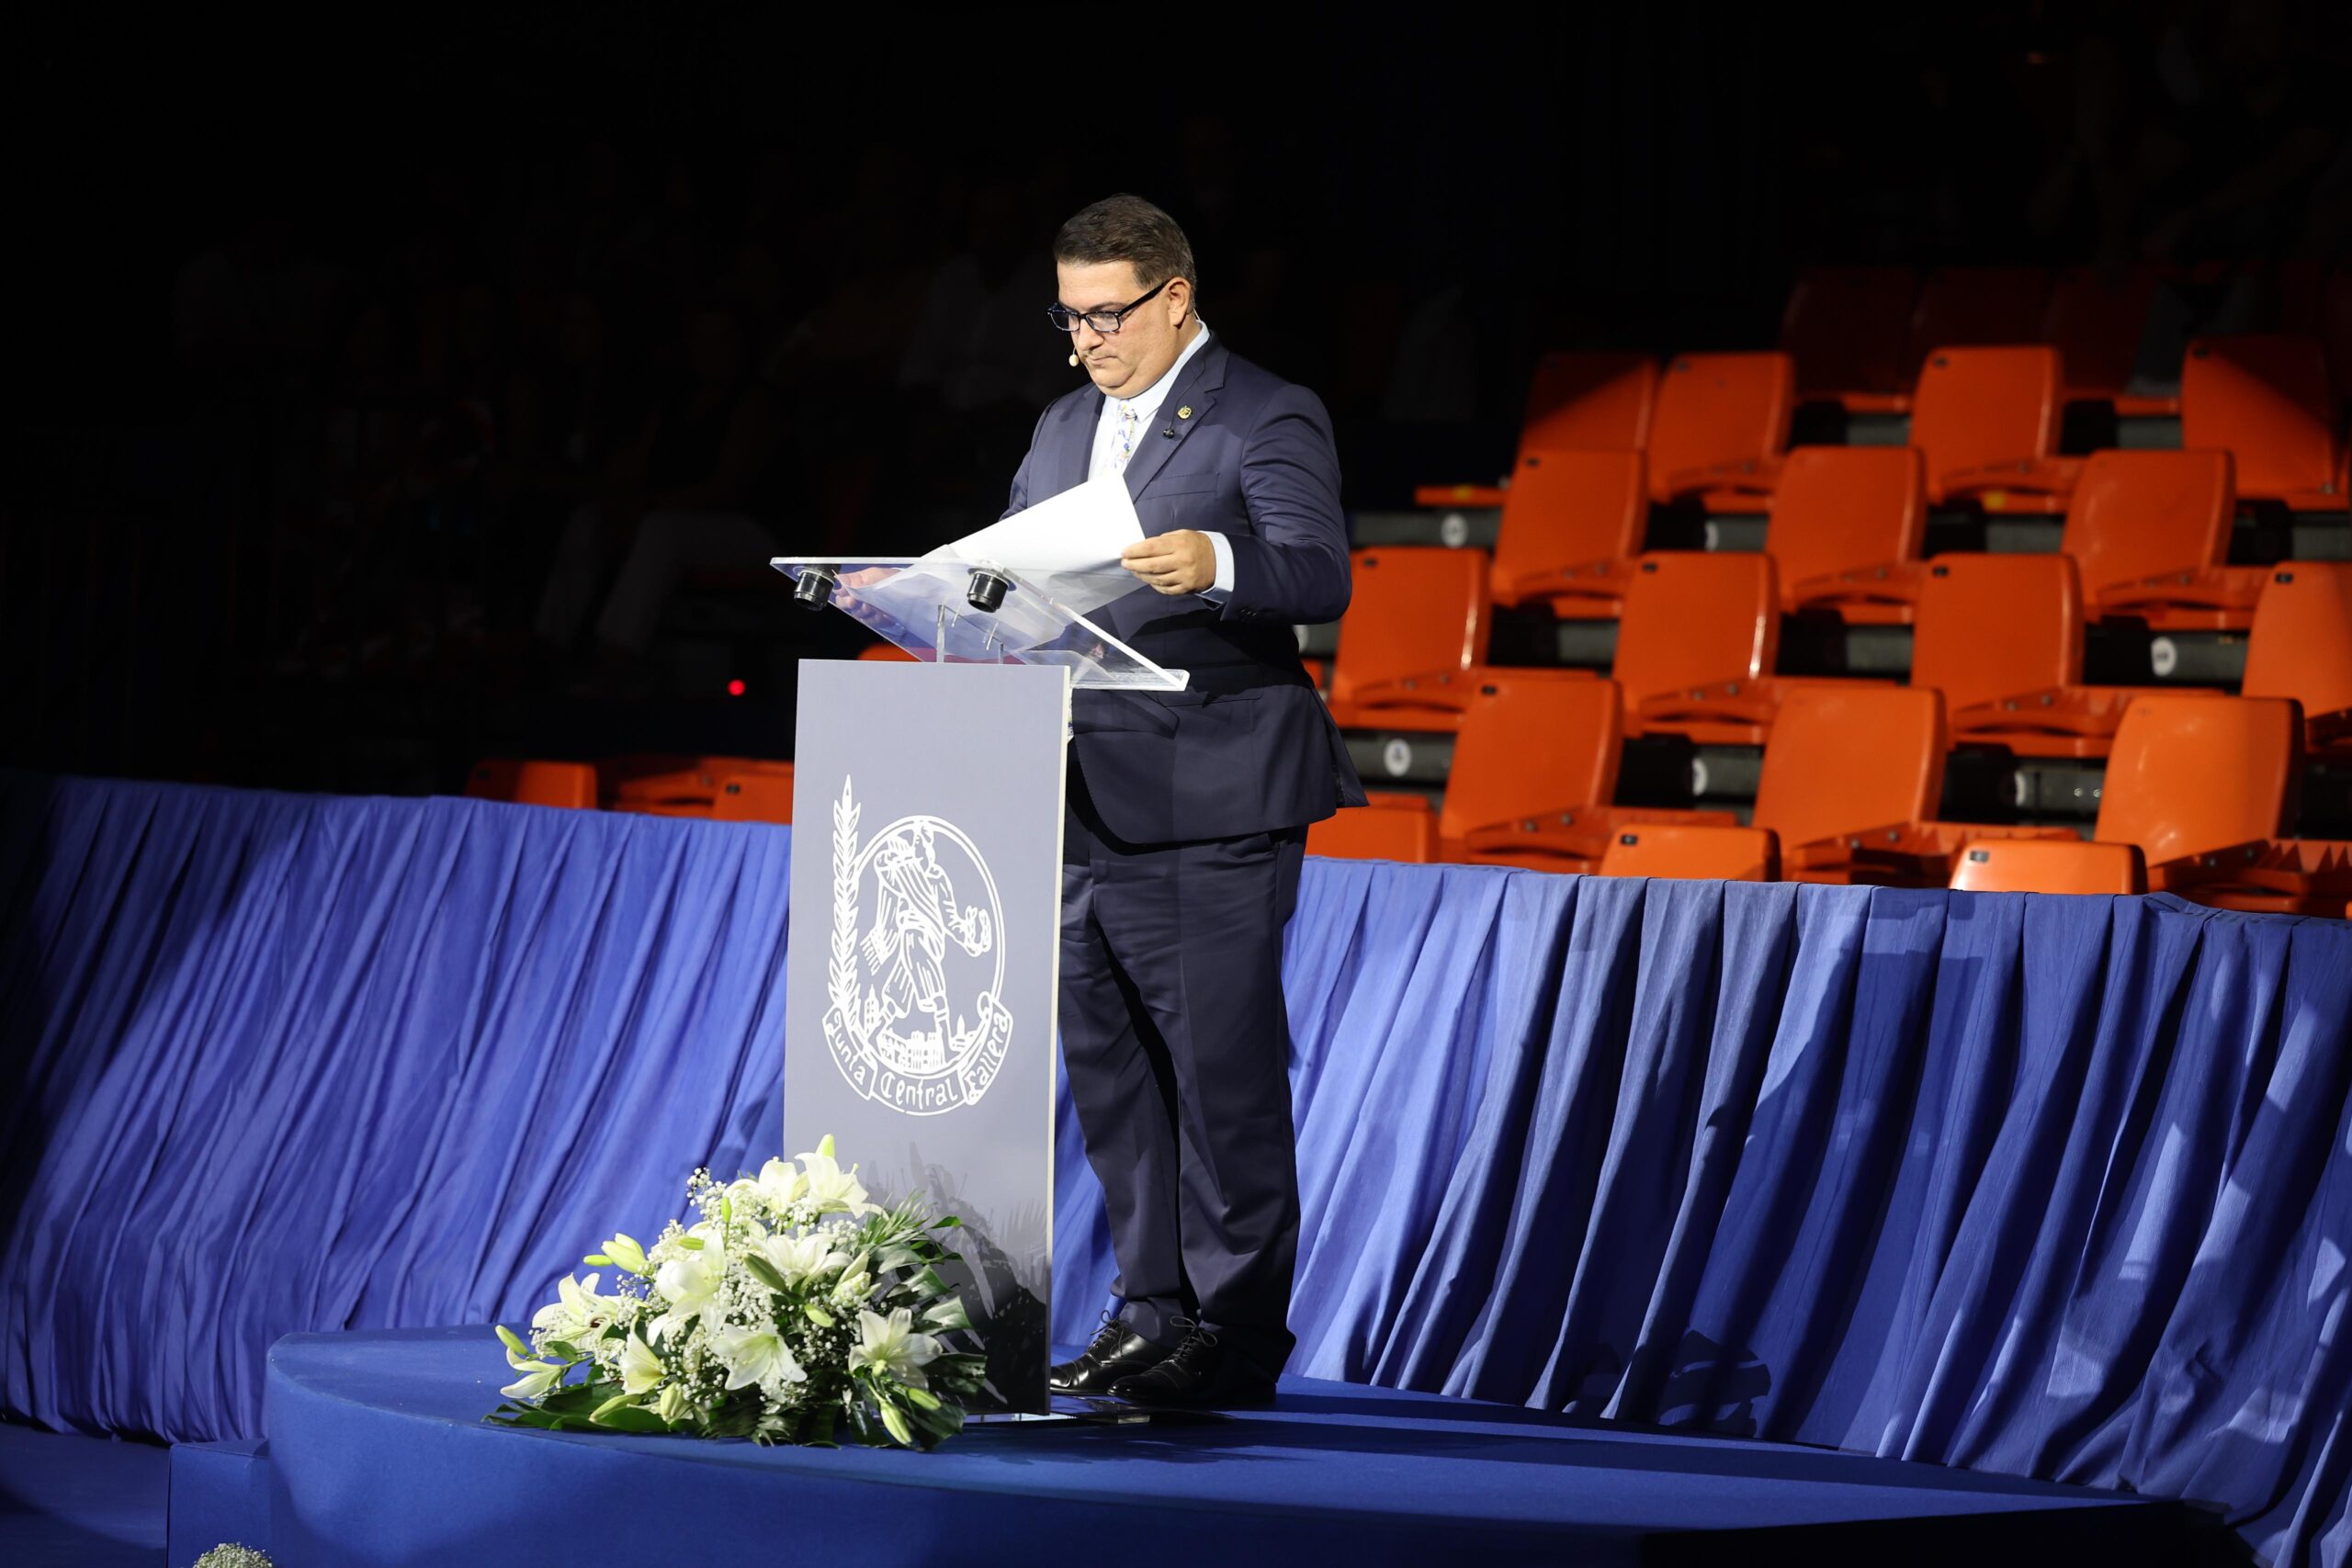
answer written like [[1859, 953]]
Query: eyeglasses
[[1066, 319]]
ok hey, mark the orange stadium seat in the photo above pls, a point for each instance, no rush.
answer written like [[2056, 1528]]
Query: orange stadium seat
[[2095, 324], [1535, 768], [2274, 877], [2050, 865], [1721, 426], [2302, 647], [2022, 690], [1533, 750], [522, 782], [1696, 645], [1576, 403], [1572, 523], [1590, 403], [2265, 399], [1416, 624], [1847, 758], [1988, 420], [1850, 783], [2191, 774], [1529, 743], [888, 653], [2037, 603], [2139, 513], [1976, 307], [2151, 531], [753, 797], [1689, 853], [1849, 329], [1694, 617], [1846, 509], [1375, 832]]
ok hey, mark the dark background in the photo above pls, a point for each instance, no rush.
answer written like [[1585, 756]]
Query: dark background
[[327, 329]]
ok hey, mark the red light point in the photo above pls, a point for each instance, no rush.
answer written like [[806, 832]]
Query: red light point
[[735, 687]]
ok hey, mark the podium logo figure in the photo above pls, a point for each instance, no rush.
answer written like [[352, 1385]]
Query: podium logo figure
[[915, 971]]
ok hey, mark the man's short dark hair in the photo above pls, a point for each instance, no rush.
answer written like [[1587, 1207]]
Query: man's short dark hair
[[1128, 229]]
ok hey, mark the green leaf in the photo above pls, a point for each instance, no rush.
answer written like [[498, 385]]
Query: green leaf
[[764, 1271], [538, 1419], [946, 1223], [578, 1398], [691, 1242], [923, 1399], [564, 1350], [630, 1418]]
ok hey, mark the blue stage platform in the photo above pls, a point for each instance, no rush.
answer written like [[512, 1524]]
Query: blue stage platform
[[379, 1457], [2051, 1187]]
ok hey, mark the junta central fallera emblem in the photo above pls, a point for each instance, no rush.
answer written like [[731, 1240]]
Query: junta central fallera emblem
[[916, 969]]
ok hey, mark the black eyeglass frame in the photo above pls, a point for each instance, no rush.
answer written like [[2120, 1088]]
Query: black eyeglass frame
[[1066, 319]]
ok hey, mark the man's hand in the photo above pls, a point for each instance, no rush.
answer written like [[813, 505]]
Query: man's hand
[[1181, 562]]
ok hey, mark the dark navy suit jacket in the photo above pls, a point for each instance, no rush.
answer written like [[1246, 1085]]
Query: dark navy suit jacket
[[1248, 747]]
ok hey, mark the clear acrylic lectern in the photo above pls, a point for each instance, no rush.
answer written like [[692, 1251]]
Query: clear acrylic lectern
[[956, 611]]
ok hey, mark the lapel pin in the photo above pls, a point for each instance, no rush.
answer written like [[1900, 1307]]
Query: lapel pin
[[1185, 412]]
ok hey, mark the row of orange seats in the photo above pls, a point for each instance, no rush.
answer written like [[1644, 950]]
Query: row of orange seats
[[717, 789], [2000, 637], [1985, 421], [2149, 533], [2199, 790]]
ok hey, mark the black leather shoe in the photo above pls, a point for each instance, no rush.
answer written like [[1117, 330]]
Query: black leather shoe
[[1201, 1373], [1116, 1353]]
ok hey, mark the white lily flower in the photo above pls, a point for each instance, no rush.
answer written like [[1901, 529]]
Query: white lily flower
[[640, 1368], [689, 1283], [800, 1257], [756, 1356], [781, 1183], [538, 1378], [892, 1346], [831, 1189], [624, 1252], [577, 1309], [673, 1407]]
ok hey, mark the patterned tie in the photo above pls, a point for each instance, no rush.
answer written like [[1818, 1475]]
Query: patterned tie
[[1127, 449]]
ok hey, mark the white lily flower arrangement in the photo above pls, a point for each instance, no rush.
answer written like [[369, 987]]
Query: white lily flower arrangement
[[792, 1311]]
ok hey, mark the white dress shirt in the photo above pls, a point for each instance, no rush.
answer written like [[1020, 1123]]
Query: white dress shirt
[[1105, 459]]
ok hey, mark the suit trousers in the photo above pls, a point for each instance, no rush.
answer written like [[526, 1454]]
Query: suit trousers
[[1178, 1045]]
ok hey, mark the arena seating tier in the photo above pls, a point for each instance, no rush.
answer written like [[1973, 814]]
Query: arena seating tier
[[2121, 661]]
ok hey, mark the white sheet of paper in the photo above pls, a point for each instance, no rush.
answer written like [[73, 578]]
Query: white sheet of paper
[[1067, 544]]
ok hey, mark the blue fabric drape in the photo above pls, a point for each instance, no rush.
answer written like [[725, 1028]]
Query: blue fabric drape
[[289, 1063], [2060, 1187]]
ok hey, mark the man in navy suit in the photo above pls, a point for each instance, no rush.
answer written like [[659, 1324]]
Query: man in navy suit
[[1188, 810]]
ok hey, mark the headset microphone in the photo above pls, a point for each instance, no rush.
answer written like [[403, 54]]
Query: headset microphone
[[1073, 360]]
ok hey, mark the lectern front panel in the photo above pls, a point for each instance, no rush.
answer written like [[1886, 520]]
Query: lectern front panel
[[921, 968]]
